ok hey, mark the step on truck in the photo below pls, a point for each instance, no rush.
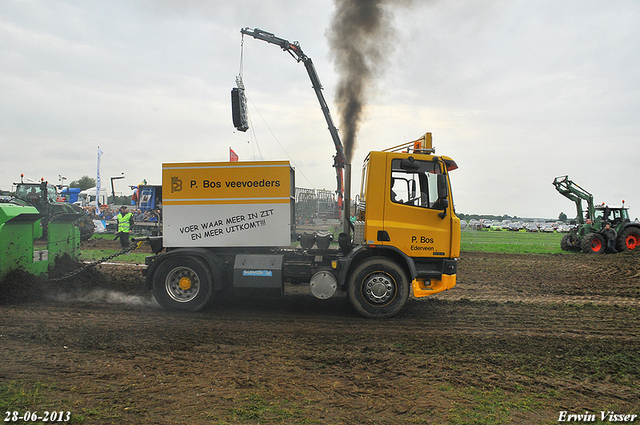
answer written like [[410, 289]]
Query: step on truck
[[232, 225]]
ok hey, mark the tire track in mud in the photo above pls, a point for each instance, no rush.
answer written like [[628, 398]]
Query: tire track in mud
[[541, 299], [549, 279], [325, 359]]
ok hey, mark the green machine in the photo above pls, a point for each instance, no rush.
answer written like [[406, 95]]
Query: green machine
[[45, 198], [22, 245], [587, 235]]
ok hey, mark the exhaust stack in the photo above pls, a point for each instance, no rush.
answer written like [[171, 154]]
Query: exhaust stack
[[346, 202]]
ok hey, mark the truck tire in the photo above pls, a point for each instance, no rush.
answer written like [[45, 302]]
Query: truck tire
[[629, 239], [593, 243], [183, 283], [378, 288]]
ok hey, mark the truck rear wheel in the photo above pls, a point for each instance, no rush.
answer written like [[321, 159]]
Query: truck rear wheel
[[629, 239], [183, 283], [593, 243], [378, 288]]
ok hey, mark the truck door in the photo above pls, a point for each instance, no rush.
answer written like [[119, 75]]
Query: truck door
[[417, 214]]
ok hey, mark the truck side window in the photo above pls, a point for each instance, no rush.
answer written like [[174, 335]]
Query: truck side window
[[415, 185]]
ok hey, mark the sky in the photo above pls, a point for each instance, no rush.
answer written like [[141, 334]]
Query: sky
[[517, 92]]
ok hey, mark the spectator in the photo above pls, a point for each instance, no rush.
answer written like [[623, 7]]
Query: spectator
[[139, 215], [610, 237], [125, 223]]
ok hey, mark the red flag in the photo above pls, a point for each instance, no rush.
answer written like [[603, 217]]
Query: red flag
[[233, 157]]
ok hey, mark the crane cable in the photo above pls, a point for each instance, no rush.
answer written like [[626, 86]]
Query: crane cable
[[241, 57], [240, 84]]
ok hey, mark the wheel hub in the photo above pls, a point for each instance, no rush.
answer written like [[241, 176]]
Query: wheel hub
[[379, 288], [185, 283], [182, 284]]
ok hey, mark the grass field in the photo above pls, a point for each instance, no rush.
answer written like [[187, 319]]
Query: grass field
[[511, 242], [472, 240], [98, 254]]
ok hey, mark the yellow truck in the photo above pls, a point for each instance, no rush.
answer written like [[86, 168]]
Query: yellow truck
[[232, 225]]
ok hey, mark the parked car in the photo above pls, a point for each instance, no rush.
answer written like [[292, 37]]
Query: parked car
[[547, 228], [532, 227], [474, 224], [486, 224], [516, 226]]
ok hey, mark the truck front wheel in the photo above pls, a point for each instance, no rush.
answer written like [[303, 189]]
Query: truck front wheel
[[378, 288], [183, 283]]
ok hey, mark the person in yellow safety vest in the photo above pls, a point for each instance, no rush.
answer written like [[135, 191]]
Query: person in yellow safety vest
[[125, 222]]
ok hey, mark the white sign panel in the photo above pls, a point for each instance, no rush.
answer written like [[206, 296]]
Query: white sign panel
[[227, 225]]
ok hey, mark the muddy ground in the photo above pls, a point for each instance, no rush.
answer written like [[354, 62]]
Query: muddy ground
[[520, 339]]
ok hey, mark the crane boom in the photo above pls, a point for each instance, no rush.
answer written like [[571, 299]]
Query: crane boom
[[575, 193], [294, 50]]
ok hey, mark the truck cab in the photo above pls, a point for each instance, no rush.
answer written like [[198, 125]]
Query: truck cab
[[413, 212], [406, 210]]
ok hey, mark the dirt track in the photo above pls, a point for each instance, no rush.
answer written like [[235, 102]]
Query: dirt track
[[520, 339]]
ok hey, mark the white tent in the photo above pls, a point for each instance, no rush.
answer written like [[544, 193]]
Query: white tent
[[88, 196]]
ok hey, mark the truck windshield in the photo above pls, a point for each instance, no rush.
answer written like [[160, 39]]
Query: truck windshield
[[415, 183]]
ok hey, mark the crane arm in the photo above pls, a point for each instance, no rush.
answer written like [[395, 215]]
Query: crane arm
[[294, 50], [575, 193]]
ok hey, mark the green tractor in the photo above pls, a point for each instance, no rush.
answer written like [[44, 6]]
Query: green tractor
[[587, 236], [44, 197]]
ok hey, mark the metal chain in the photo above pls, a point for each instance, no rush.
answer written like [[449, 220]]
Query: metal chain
[[132, 246]]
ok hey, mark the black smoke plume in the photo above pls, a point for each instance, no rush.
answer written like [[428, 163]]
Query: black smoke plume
[[361, 39]]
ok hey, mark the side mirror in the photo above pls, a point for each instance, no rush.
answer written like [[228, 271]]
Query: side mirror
[[443, 203], [443, 192], [443, 187]]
